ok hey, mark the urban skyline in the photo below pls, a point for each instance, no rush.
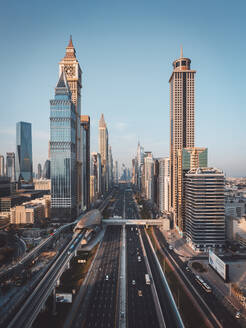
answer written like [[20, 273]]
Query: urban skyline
[[131, 210], [125, 120]]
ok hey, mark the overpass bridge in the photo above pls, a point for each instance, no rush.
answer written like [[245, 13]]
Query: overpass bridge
[[145, 222]]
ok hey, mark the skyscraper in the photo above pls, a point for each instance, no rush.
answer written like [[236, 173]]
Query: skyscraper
[[103, 150], [116, 172], [163, 182], [10, 166], [149, 175], [63, 152], [24, 152], [96, 171], [46, 169], [85, 159], [110, 167], [140, 163], [187, 159], [70, 65], [205, 208], [39, 175], [2, 171], [182, 106]]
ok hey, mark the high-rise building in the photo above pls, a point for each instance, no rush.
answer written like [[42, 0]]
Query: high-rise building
[[140, 163], [2, 171], [163, 183], [205, 208], [149, 176], [24, 152], [92, 188], [63, 152], [85, 159], [96, 171], [70, 65], [155, 181], [39, 175], [46, 169], [116, 172], [110, 167], [103, 150], [182, 121], [10, 166], [187, 159]]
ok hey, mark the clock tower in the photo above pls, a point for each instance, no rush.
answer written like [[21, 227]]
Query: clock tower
[[70, 66]]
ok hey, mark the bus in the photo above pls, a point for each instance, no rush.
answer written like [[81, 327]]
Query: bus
[[147, 279], [204, 285]]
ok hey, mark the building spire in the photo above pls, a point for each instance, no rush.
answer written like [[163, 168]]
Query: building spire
[[181, 52], [102, 123], [70, 44], [70, 50]]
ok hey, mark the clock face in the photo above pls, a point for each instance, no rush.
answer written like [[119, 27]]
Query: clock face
[[69, 70]]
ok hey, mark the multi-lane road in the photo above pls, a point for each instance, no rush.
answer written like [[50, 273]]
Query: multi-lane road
[[118, 293]]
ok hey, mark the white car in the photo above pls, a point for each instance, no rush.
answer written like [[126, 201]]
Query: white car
[[170, 247], [238, 315], [106, 277], [133, 282]]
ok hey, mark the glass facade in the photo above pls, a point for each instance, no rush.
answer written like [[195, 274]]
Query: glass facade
[[24, 151], [63, 152]]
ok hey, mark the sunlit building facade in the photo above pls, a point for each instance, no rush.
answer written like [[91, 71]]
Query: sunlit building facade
[[63, 152], [24, 166]]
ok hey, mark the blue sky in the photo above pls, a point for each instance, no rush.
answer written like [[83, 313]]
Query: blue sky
[[126, 49]]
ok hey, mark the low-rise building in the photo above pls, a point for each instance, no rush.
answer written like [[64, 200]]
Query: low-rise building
[[26, 213], [42, 184]]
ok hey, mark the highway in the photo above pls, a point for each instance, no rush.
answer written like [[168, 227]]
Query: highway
[[216, 313], [30, 309], [99, 307], [141, 310]]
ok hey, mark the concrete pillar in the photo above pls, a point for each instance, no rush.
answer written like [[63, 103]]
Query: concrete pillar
[[54, 302]]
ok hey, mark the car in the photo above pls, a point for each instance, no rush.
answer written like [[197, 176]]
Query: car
[[106, 277], [170, 247], [133, 282], [238, 315], [187, 269], [140, 293]]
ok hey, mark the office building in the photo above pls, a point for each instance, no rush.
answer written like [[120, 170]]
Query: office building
[[70, 66], [92, 188], [149, 176], [85, 160], [63, 152], [24, 152], [46, 169], [182, 120], [5, 188], [39, 175], [10, 166], [103, 150], [205, 208], [116, 172], [140, 163], [155, 181], [2, 167], [163, 184], [110, 167], [187, 159], [96, 171]]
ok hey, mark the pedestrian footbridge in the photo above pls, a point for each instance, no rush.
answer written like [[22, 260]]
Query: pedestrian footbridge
[[147, 222]]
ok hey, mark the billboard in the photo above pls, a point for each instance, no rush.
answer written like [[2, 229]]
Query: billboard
[[218, 265], [63, 298]]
